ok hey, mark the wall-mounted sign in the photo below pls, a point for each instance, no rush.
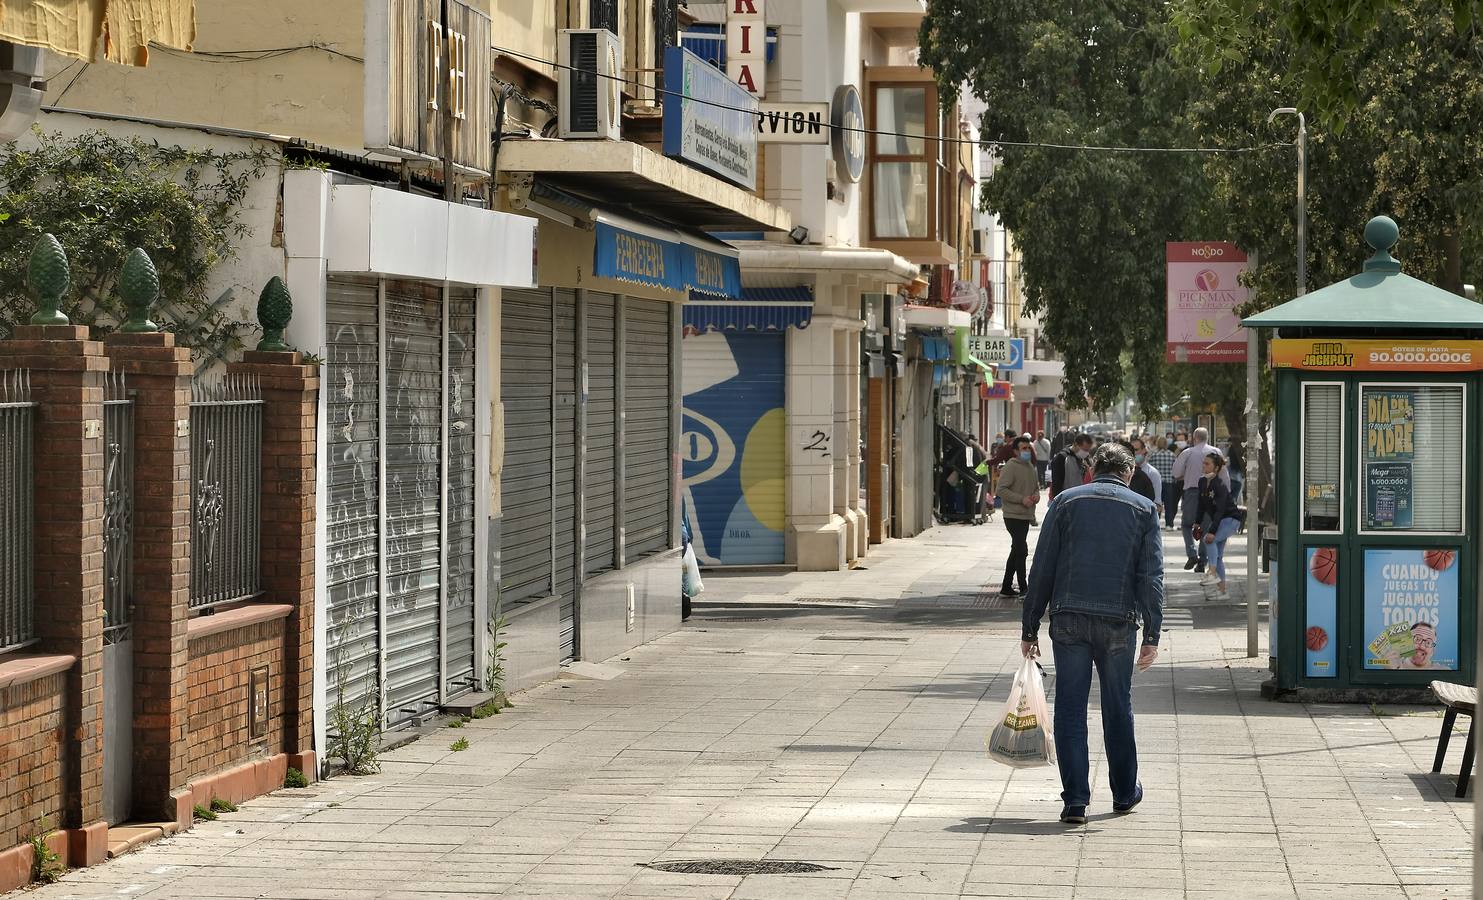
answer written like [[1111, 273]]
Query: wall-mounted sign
[[1411, 618], [257, 703], [673, 264], [1343, 354], [709, 121], [746, 45], [419, 72], [1004, 352], [999, 390], [1204, 289], [793, 123], [847, 119]]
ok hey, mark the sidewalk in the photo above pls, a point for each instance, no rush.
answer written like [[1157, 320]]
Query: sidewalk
[[839, 719]]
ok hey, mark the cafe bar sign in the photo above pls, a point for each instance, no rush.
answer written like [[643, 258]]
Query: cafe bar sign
[[709, 120], [1345, 355]]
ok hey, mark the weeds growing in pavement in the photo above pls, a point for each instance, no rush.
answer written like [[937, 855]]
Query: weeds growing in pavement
[[219, 805], [295, 779], [46, 865], [459, 745], [203, 813]]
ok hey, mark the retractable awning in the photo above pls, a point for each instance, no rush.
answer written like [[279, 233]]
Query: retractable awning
[[758, 309]]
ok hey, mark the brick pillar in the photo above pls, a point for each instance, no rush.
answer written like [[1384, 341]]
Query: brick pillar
[[67, 383], [159, 375], [290, 392]]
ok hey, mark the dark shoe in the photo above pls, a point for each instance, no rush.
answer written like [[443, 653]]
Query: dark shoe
[[1128, 807], [1190, 563], [1008, 592], [1074, 815], [1200, 566]]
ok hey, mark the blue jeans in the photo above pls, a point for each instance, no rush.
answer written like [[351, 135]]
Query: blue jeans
[[1080, 641], [1190, 517], [1217, 551]]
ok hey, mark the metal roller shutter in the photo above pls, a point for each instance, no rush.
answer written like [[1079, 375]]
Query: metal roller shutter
[[525, 480], [564, 445], [646, 410], [352, 381], [458, 637], [414, 488], [602, 431]]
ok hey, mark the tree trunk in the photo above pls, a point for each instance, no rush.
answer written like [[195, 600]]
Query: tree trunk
[[1452, 262], [1266, 481]]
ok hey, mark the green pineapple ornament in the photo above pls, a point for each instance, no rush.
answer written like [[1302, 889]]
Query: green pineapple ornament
[[48, 277], [139, 285], [275, 306]]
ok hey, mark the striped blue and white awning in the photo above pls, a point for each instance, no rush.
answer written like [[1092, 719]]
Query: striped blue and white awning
[[759, 309]]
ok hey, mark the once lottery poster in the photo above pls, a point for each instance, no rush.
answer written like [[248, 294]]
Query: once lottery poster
[[1321, 599], [1411, 619], [1389, 434]]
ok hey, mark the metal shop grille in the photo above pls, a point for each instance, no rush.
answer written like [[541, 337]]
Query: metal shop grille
[[17, 436], [226, 462]]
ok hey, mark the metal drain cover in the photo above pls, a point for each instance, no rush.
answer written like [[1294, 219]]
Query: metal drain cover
[[739, 867]]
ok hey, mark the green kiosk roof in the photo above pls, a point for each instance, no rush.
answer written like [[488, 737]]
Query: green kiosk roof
[[1379, 297]]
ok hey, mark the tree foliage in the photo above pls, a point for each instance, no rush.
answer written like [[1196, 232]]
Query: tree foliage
[[102, 196]]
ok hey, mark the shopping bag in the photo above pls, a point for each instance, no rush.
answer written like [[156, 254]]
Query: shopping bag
[[1022, 737], [690, 583]]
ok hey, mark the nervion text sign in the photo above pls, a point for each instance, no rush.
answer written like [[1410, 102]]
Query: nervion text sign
[[421, 75], [793, 123], [709, 121], [746, 44]]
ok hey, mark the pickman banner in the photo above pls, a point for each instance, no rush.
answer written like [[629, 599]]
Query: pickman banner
[[1204, 289]]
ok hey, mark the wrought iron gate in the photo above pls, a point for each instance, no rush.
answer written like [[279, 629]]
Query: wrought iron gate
[[118, 597], [226, 464], [17, 436]]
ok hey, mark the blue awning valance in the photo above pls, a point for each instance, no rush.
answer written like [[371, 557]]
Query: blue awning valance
[[759, 309], [936, 348], [664, 258]]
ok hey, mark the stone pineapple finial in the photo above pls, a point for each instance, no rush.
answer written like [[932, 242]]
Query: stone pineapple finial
[[139, 286], [48, 276], [275, 307]]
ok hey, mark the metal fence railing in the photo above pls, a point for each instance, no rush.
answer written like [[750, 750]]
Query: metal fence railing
[[226, 454], [17, 517], [118, 508]]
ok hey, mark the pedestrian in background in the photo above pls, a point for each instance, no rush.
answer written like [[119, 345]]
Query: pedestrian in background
[[1146, 479], [1099, 571], [1187, 473], [1162, 459], [1236, 468], [1019, 493], [1071, 467], [1219, 519], [1042, 456]]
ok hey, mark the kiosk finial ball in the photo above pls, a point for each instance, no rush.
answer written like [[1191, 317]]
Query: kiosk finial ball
[[1382, 232]]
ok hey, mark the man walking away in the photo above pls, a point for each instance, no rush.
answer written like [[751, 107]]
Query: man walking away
[[1070, 467], [1187, 470], [1099, 571], [1162, 459], [1019, 491], [1042, 455]]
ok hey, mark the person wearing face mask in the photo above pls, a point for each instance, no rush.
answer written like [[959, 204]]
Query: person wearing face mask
[[1019, 493], [1146, 479], [1070, 468]]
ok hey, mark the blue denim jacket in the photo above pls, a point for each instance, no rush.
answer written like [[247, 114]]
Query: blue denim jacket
[[1099, 552]]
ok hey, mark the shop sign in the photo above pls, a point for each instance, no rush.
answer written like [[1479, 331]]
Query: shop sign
[[1346, 355], [709, 121], [746, 45], [998, 390], [1204, 289], [847, 121], [1411, 619], [793, 123], [1321, 599], [993, 349], [644, 259]]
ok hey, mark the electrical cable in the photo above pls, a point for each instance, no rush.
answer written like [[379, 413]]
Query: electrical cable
[[58, 101], [982, 142], [230, 56]]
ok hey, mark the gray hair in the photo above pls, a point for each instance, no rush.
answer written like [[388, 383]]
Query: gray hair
[[1112, 459], [1201, 435]]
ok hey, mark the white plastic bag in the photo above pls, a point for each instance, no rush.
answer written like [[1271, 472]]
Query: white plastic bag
[[691, 583], [1022, 737]]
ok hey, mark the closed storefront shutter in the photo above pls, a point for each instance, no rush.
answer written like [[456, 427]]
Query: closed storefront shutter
[[564, 447], [352, 377], [525, 479], [414, 454], [602, 429], [646, 407], [732, 446], [458, 637]]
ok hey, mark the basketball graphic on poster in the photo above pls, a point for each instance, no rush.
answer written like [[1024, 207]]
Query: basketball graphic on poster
[[1316, 638], [1440, 560], [1324, 565]]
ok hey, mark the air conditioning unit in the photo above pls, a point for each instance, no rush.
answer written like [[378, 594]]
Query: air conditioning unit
[[981, 242], [588, 89]]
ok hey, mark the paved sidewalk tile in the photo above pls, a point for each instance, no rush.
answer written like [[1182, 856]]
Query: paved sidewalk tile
[[839, 719]]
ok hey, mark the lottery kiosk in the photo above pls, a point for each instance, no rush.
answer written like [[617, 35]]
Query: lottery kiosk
[[1376, 571]]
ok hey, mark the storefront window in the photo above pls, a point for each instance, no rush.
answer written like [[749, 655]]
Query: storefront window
[[1323, 456], [1411, 449]]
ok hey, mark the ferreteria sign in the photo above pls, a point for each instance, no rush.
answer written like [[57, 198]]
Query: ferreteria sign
[[709, 120], [793, 123], [1345, 355]]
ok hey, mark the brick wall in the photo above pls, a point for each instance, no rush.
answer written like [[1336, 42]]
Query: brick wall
[[32, 720], [217, 687]]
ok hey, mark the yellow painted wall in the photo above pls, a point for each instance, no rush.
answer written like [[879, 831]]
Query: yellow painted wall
[[310, 93]]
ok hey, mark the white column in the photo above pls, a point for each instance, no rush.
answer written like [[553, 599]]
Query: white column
[[855, 511], [815, 536]]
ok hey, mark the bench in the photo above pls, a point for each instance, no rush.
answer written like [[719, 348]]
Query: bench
[[1458, 698]]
